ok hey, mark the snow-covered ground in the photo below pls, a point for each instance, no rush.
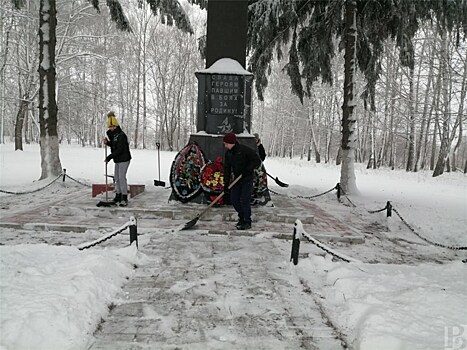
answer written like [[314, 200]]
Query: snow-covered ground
[[405, 294]]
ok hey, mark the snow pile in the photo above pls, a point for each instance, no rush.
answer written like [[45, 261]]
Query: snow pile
[[54, 297], [381, 306]]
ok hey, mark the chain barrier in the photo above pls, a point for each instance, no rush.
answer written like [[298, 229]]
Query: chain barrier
[[63, 175], [389, 208], [341, 192], [279, 194], [318, 195], [423, 238], [33, 191], [133, 235], [77, 181], [307, 197], [300, 232], [351, 203]]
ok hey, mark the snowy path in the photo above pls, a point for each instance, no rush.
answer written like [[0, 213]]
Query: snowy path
[[215, 292]]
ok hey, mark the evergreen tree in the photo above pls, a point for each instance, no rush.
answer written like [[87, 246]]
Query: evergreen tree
[[311, 27]]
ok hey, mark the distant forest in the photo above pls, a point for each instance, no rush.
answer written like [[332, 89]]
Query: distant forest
[[146, 76]]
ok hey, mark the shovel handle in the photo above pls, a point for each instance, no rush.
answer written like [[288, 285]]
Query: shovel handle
[[193, 222], [106, 187], [158, 145], [219, 196]]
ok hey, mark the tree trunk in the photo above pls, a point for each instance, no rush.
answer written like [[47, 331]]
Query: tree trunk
[[389, 100], [433, 109], [49, 144], [424, 118], [427, 43], [459, 117], [372, 133], [334, 111], [138, 92], [411, 130], [433, 141], [445, 144], [339, 156], [347, 179], [144, 97], [22, 110]]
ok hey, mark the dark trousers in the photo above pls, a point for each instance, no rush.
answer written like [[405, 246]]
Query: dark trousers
[[240, 197]]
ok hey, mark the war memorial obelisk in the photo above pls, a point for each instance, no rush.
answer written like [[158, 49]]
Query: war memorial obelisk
[[224, 87], [224, 105]]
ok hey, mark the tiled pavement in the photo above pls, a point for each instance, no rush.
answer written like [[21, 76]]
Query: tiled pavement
[[207, 288], [153, 210]]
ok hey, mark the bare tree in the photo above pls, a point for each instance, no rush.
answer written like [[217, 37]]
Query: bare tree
[[461, 116]]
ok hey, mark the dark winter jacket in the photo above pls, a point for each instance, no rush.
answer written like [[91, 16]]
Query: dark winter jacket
[[120, 149], [261, 152], [240, 160]]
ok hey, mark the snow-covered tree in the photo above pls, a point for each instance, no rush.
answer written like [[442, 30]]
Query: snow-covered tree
[[50, 161], [310, 27]]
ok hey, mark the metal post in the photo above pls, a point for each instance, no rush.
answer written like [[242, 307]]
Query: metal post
[[64, 174], [338, 188], [133, 231], [388, 209], [295, 246]]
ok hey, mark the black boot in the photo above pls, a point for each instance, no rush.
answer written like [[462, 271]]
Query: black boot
[[244, 226], [118, 198], [124, 201], [239, 223]]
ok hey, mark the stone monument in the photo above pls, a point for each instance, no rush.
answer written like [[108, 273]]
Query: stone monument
[[224, 87]]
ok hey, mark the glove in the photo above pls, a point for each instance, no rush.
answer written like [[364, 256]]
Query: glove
[[108, 159]]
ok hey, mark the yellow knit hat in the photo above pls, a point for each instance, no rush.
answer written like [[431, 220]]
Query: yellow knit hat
[[111, 120]]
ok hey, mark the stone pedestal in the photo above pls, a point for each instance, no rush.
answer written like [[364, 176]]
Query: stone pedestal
[[224, 98], [213, 147]]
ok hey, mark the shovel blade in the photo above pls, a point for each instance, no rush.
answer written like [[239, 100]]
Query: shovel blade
[[193, 222], [159, 183], [106, 204], [280, 183], [190, 224]]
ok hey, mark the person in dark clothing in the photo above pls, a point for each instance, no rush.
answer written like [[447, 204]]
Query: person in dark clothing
[[240, 160], [120, 153], [261, 150]]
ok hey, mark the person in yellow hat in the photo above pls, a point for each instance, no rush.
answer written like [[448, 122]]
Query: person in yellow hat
[[120, 153]]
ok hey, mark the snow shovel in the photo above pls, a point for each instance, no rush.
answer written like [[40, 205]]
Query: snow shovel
[[159, 182], [193, 222], [107, 203], [279, 182]]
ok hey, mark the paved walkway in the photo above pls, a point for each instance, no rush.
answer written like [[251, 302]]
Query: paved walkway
[[211, 287], [215, 292], [79, 213]]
